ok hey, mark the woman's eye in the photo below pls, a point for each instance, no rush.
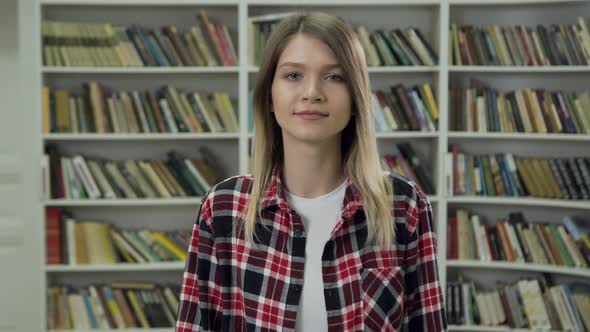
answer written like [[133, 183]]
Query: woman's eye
[[290, 75], [336, 77]]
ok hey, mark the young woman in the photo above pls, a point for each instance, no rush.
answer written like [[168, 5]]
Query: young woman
[[319, 237]]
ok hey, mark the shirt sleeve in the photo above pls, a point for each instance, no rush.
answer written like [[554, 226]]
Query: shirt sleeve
[[199, 307], [423, 298]]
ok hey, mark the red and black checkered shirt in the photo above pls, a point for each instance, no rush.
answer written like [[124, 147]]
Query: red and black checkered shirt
[[228, 286]]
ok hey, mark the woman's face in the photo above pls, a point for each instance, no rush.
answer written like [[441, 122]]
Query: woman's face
[[308, 79]]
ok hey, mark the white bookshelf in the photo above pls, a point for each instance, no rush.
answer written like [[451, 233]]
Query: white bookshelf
[[431, 16], [121, 267], [511, 266], [520, 69], [475, 328]]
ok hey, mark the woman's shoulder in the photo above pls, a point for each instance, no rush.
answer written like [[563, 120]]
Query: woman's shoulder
[[221, 197], [236, 185], [406, 187]]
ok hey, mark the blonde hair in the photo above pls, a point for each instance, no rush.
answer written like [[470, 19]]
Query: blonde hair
[[360, 156]]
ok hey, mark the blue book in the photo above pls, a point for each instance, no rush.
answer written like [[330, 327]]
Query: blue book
[[577, 226], [508, 182], [484, 191], [491, 48], [572, 304], [91, 315], [149, 46]]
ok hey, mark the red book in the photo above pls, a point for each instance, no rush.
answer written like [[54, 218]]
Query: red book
[[508, 313], [53, 254], [521, 33], [227, 55], [452, 243]]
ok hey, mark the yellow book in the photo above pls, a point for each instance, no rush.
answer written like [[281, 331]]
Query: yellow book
[[117, 47], [230, 111], [496, 43], [45, 109], [98, 243], [137, 309], [223, 114], [523, 111], [550, 108], [203, 46], [535, 165], [523, 169], [586, 241], [551, 178], [173, 247], [431, 101], [191, 114], [62, 110], [114, 307], [194, 49], [535, 110]]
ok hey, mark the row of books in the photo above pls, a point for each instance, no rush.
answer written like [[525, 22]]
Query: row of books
[[508, 175], [71, 241], [520, 45], [527, 303], [513, 239], [83, 177], [106, 45], [167, 110], [404, 161], [395, 47], [480, 108], [405, 108], [117, 305]]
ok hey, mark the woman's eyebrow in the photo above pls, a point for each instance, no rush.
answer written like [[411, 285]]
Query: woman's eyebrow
[[299, 64]]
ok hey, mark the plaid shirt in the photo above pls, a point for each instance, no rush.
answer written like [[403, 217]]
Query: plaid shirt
[[228, 286]]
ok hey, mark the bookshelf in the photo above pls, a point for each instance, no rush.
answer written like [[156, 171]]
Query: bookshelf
[[431, 16]]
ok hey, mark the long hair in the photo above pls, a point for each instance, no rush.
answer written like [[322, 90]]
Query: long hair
[[362, 162]]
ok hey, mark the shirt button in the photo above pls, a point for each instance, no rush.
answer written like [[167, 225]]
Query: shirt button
[[298, 232], [296, 288]]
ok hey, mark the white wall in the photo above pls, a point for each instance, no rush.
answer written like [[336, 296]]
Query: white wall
[[21, 295]]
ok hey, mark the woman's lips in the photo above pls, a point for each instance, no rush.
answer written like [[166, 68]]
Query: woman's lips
[[311, 116]]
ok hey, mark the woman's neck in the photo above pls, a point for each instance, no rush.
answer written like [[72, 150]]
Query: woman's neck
[[312, 170]]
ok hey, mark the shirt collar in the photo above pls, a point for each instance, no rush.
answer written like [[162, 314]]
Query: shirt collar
[[275, 195]]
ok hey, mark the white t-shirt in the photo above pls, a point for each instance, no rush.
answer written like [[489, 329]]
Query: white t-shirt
[[319, 216]]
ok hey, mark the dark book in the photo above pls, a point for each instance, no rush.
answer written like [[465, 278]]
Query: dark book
[[427, 45], [495, 244], [408, 152]]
